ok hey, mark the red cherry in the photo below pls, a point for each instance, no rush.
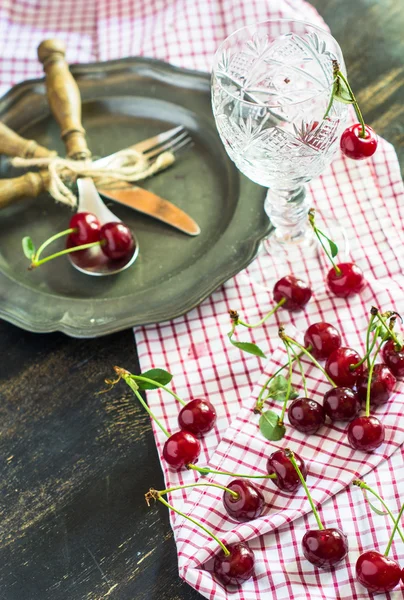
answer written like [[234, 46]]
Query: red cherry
[[365, 433], [325, 547], [296, 292], [394, 359], [376, 572], [235, 568], [287, 479], [86, 228], [357, 147], [306, 415], [348, 282], [341, 404], [383, 382], [338, 367], [198, 417], [249, 504], [181, 449], [117, 240], [323, 339]]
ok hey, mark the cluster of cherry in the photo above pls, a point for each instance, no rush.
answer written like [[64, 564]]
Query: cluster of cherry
[[85, 232]]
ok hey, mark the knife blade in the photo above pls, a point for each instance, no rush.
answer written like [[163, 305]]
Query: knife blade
[[150, 204]]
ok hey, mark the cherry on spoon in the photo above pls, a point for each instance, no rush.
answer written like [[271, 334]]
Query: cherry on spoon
[[94, 261]]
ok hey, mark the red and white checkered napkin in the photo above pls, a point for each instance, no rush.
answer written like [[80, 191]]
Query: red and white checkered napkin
[[367, 198]]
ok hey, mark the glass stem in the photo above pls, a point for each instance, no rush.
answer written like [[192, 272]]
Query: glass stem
[[287, 210]]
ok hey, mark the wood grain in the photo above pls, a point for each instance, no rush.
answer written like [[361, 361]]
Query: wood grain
[[75, 465], [64, 98]]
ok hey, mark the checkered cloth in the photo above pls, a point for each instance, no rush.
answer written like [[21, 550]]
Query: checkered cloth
[[367, 199]]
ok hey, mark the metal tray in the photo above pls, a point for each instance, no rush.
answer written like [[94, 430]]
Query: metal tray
[[125, 101]]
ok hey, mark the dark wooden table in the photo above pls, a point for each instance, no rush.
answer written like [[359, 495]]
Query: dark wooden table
[[75, 465]]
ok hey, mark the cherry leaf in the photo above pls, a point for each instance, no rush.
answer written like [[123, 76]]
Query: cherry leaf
[[270, 427], [342, 93], [373, 507], [248, 347], [158, 375], [28, 247]]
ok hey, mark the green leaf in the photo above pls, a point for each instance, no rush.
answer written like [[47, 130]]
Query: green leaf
[[374, 325], [248, 347], [159, 375], [270, 427], [28, 247], [293, 394], [342, 93], [333, 248], [373, 507], [280, 382]]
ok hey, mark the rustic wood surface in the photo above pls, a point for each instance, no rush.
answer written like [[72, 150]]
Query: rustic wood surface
[[75, 465]]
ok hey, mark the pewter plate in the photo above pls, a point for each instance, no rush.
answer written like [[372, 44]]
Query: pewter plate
[[124, 102]]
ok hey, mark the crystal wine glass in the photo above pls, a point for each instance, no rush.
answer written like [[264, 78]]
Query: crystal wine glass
[[271, 96]]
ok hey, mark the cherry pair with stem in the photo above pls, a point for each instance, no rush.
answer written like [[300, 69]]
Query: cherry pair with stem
[[358, 141], [182, 448], [85, 232], [376, 571], [367, 432]]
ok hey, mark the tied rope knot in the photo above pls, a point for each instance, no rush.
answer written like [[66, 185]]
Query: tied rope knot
[[127, 165]]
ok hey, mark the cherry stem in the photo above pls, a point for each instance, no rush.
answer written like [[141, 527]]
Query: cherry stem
[[364, 486], [206, 471], [289, 388], [191, 485], [370, 375], [390, 331], [355, 104], [134, 387], [292, 459], [396, 524], [260, 401], [38, 263], [299, 362], [159, 385], [310, 356], [212, 535], [319, 234], [269, 314], [369, 347], [50, 240]]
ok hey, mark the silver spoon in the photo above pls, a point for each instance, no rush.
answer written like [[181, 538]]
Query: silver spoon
[[94, 261]]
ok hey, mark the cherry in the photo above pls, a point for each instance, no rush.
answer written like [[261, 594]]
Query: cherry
[[348, 282], [365, 433], [296, 292], [341, 404], [235, 568], [248, 505], [383, 382], [376, 572], [117, 240], [181, 448], [338, 367], [306, 415], [197, 417], [323, 339], [394, 359], [86, 228], [287, 479], [325, 547], [357, 147]]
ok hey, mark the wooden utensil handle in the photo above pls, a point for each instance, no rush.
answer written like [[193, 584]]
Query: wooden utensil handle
[[64, 98], [29, 185], [13, 144]]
